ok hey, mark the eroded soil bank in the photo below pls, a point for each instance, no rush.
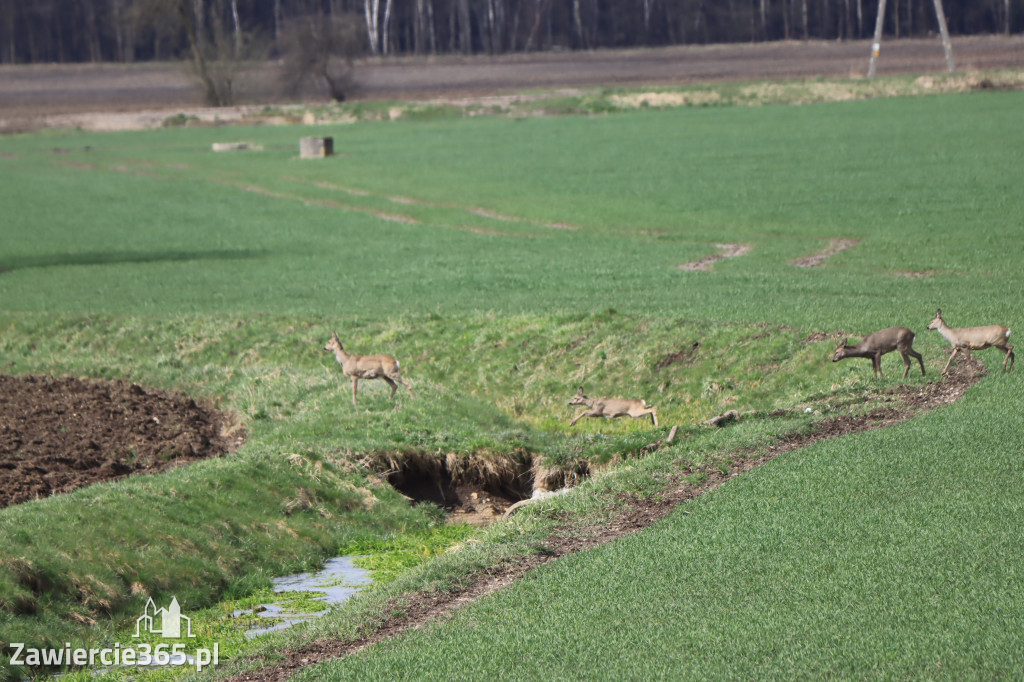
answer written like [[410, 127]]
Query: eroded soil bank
[[476, 490], [58, 434]]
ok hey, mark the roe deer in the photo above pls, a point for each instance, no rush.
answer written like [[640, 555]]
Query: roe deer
[[612, 407], [966, 339], [367, 367], [876, 345]]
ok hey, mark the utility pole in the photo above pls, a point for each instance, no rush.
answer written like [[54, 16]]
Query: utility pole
[[877, 42], [941, 16]]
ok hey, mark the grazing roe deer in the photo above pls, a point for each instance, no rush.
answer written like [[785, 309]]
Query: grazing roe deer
[[610, 408], [876, 345], [966, 339], [367, 367]]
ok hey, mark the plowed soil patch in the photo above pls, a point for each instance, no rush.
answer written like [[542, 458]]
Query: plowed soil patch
[[58, 434]]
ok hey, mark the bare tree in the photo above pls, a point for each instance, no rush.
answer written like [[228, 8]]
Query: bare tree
[[7, 10], [238, 28], [323, 46], [371, 9], [386, 33], [216, 53]]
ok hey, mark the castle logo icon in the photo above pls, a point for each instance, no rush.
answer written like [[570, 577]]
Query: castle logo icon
[[164, 622]]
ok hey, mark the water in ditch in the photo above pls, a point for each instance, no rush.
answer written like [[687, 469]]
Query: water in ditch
[[338, 580]]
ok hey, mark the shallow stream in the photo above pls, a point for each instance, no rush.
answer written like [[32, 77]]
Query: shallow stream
[[338, 580]]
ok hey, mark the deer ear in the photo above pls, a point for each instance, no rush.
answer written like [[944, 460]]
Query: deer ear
[[579, 391], [938, 312], [845, 339]]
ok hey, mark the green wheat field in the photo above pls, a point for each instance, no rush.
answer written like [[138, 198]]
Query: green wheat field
[[505, 261]]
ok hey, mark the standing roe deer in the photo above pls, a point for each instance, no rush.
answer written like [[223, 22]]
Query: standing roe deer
[[612, 407], [876, 345], [367, 367], [966, 339]]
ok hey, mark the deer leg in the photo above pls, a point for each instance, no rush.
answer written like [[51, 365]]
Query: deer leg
[[914, 354], [355, 386], [654, 418], [394, 386], [405, 383], [1009, 356], [906, 361], [579, 417], [951, 356], [876, 364]]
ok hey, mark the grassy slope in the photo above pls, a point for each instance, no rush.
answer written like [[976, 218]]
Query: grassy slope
[[648, 190], [891, 554]]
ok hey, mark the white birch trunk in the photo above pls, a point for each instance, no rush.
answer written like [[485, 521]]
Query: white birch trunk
[[385, 33], [372, 8], [577, 22], [238, 28]]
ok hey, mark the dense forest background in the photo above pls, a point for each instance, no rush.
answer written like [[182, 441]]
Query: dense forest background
[[33, 31]]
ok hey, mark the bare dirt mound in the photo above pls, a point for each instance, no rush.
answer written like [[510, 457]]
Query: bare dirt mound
[[58, 434]]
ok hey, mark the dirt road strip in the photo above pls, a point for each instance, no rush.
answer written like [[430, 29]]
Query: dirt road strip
[[144, 95]]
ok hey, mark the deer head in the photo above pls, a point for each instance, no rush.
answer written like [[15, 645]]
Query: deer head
[[839, 352], [579, 398], [334, 344]]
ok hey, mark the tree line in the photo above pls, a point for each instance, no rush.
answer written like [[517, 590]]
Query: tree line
[[36, 31]]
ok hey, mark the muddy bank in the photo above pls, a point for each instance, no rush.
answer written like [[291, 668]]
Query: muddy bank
[[473, 489]]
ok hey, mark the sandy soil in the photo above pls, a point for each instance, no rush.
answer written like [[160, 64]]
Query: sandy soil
[[52, 95]]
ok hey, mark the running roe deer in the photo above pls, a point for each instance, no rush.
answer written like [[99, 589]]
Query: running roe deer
[[367, 367], [966, 339], [610, 408], [876, 345]]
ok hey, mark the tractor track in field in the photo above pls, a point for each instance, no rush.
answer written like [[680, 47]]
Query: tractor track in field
[[636, 513], [836, 245], [724, 251]]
